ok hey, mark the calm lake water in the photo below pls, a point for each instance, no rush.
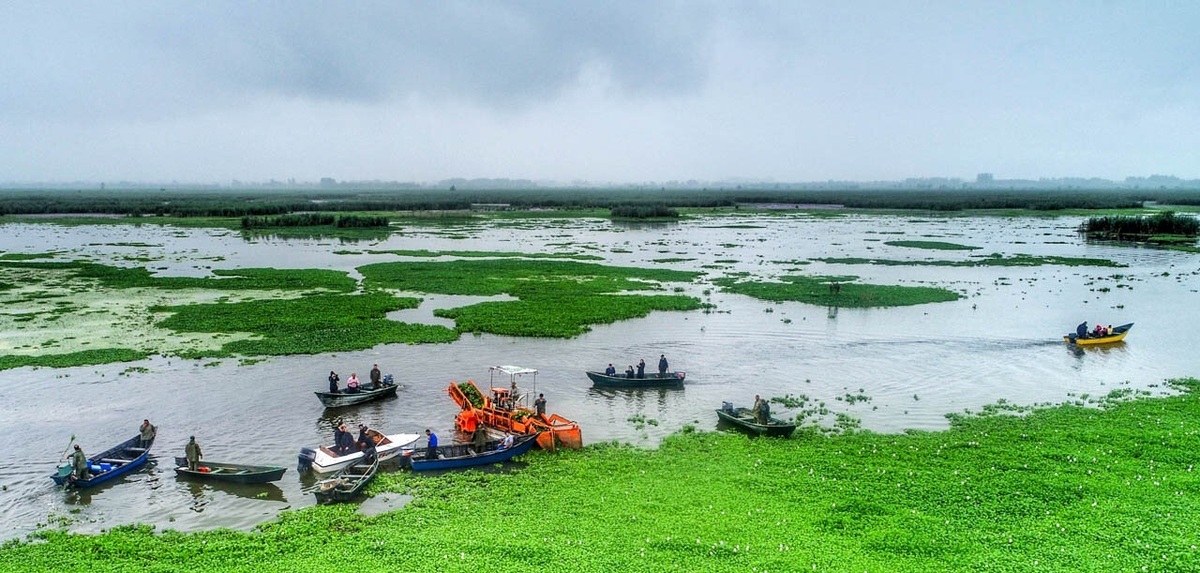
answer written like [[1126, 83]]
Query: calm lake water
[[915, 364]]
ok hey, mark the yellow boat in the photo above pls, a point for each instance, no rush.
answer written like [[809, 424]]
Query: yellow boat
[[1117, 335]]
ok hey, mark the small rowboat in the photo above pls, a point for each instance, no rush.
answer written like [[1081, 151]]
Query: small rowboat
[[114, 462], [324, 460], [349, 482], [465, 455], [233, 473], [652, 380], [344, 398], [1118, 334], [744, 419]]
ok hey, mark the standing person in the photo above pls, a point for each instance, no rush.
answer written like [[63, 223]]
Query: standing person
[[760, 410], [352, 383], [662, 365], [479, 438], [193, 453], [641, 369], [333, 382], [343, 442], [540, 404], [431, 449], [146, 434], [376, 377], [79, 463]]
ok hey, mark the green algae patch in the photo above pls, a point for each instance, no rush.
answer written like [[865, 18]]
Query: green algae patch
[[305, 325], [1058, 489], [484, 254], [933, 245], [993, 260], [836, 291], [557, 298], [563, 317], [80, 358]]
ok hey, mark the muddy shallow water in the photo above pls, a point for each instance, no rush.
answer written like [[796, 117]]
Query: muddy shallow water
[[912, 364]]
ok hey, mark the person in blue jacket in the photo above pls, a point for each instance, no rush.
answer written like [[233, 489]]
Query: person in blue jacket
[[431, 450]]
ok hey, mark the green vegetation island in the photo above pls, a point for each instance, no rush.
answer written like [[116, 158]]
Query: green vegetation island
[[1098, 485]]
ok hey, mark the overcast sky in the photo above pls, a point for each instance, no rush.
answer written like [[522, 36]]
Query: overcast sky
[[604, 91]]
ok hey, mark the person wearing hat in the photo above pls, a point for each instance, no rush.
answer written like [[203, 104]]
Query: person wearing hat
[[343, 442], [79, 463], [193, 453]]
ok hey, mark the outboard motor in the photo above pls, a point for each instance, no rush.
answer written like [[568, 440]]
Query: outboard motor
[[727, 406], [307, 456], [388, 380], [1072, 337]]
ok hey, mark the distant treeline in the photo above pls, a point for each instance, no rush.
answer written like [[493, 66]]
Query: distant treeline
[[644, 212], [266, 202], [1141, 228], [314, 220]]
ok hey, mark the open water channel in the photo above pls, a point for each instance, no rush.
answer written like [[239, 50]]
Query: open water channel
[[892, 368]]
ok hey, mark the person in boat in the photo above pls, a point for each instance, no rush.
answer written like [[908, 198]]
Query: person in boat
[[479, 438], [1109, 331], [368, 449], [1081, 331], [610, 371], [662, 365], [79, 463], [431, 448], [352, 383], [364, 438], [146, 434], [343, 442], [762, 412], [1099, 330], [540, 404], [629, 371], [641, 373], [376, 377], [193, 453], [333, 382], [506, 443]]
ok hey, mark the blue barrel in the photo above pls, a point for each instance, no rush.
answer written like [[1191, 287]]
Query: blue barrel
[[94, 468], [105, 466]]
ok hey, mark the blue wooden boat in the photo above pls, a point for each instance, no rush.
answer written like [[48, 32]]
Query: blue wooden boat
[[111, 464], [465, 455]]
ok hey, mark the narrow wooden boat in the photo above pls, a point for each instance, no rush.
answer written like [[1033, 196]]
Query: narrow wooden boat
[[652, 380], [324, 460], [465, 455], [344, 398], [111, 464], [229, 472], [505, 411], [349, 482], [744, 419], [1118, 334]]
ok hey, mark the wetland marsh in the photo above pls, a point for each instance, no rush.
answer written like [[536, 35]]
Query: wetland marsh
[[884, 368]]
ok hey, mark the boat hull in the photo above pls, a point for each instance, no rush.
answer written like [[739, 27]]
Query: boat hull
[[229, 472], [1118, 335], [341, 399], [461, 456], [652, 380], [123, 458], [348, 483], [552, 430], [744, 419], [325, 461]]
